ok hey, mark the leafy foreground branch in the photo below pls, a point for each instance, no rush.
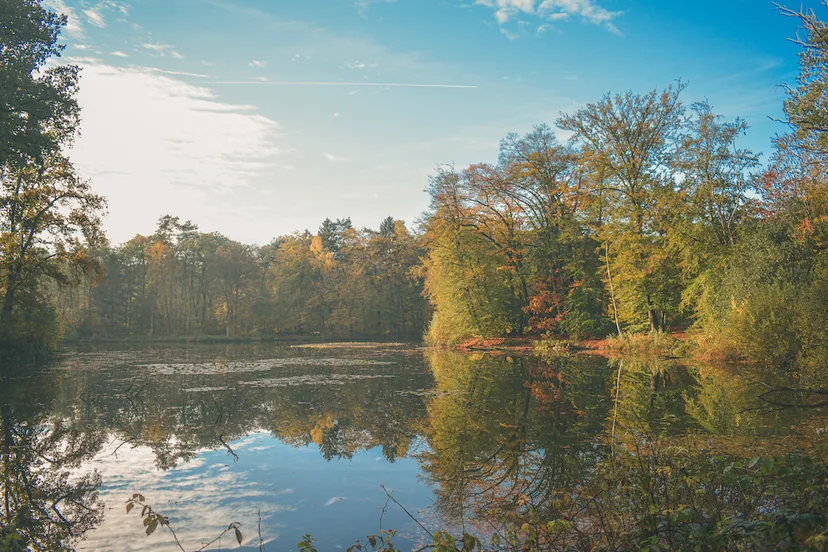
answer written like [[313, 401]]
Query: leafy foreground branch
[[152, 520]]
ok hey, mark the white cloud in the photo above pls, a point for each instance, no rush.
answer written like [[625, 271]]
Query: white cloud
[[360, 65], [118, 53], [335, 115], [157, 48], [95, 17], [553, 10], [73, 26], [162, 49], [178, 73], [333, 158], [257, 63], [150, 140]]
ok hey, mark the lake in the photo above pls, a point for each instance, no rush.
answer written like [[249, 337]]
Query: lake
[[291, 440]]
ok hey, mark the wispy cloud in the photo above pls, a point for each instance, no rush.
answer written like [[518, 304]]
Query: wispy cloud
[[167, 137], [553, 10], [360, 65], [257, 63], [337, 83], [157, 48], [95, 17], [175, 73], [162, 50], [333, 158], [120, 54]]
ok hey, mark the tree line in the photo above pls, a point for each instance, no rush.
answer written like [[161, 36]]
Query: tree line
[[180, 282]]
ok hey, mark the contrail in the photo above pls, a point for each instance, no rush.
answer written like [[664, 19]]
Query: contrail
[[323, 83]]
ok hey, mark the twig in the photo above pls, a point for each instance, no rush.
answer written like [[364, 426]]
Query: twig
[[261, 541], [397, 502]]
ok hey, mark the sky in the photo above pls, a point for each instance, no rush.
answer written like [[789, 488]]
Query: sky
[[257, 118]]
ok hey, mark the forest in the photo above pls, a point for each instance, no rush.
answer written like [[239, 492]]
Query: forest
[[649, 219]]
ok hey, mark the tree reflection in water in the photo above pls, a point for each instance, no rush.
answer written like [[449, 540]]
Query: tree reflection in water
[[544, 453], [45, 505], [578, 453]]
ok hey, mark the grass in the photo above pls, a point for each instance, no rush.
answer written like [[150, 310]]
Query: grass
[[651, 344]]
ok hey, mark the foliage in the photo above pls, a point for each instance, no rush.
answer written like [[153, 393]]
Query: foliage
[[180, 282], [152, 520], [47, 211], [806, 108]]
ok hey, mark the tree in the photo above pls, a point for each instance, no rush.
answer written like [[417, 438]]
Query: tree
[[45, 207], [39, 112], [806, 107], [332, 234], [44, 212], [631, 140]]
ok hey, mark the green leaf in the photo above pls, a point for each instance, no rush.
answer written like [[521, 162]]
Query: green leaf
[[130, 506], [238, 535]]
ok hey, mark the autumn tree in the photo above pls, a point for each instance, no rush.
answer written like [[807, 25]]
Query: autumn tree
[[631, 139], [46, 209]]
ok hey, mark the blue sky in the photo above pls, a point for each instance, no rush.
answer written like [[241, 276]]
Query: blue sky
[[256, 118]]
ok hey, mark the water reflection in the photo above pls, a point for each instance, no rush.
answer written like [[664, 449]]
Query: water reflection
[[484, 443], [44, 504]]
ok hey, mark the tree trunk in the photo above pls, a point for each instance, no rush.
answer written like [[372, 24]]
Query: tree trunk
[[8, 300]]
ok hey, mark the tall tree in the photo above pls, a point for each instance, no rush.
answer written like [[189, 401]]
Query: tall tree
[[806, 107], [45, 207], [39, 111], [632, 139]]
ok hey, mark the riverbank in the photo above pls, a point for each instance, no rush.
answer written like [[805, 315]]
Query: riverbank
[[688, 345]]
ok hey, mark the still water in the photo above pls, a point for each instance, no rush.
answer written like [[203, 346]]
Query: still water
[[294, 440]]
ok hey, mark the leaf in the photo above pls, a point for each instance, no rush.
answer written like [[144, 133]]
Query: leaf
[[130, 506], [238, 535], [152, 527], [372, 539]]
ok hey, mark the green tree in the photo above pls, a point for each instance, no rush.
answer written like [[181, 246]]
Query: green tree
[[631, 140], [806, 107], [39, 112]]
